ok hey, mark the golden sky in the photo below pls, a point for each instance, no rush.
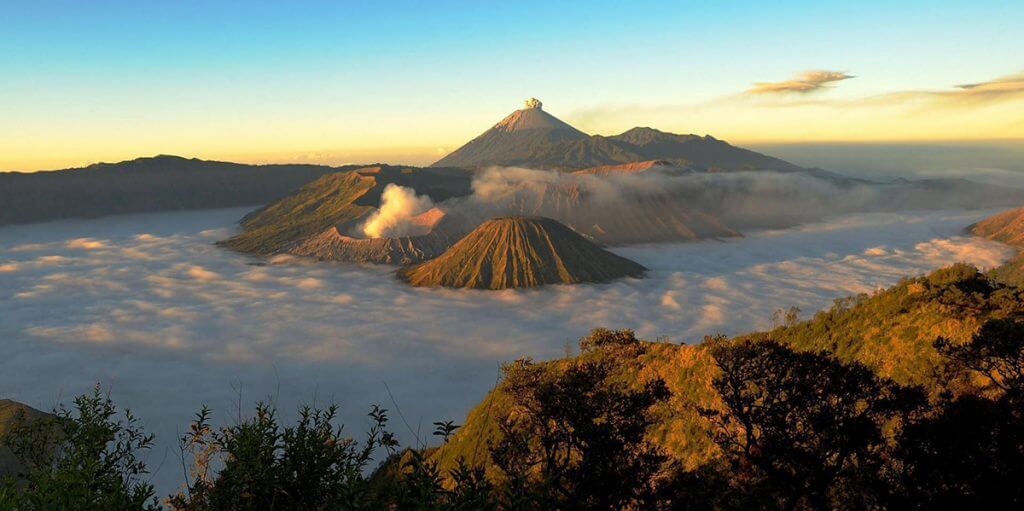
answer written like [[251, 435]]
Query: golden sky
[[406, 82]]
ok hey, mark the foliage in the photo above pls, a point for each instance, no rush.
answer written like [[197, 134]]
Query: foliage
[[892, 331], [996, 352], [576, 438], [86, 458], [969, 453], [310, 465], [803, 430]]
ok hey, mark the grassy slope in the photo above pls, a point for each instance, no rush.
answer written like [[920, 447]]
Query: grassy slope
[[1007, 227], [312, 209], [891, 331]]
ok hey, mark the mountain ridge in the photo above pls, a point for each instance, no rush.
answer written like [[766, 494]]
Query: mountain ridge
[[531, 137], [144, 185]]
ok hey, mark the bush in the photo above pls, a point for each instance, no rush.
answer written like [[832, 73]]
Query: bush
[[311, 465], [83, 459]]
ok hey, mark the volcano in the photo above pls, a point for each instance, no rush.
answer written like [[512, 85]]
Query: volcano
[[514, 252], [515, 139], [531, 137], [323, 219]]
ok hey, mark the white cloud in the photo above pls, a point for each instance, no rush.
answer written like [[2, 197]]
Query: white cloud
[[85, 244], [802, 83], [200, 273]]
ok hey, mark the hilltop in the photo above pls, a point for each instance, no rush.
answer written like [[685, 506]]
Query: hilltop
[[891, 332], [515, 252]]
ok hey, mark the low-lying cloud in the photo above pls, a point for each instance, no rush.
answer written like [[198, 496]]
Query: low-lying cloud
[[170, 321], [803, 83], [740, 200]]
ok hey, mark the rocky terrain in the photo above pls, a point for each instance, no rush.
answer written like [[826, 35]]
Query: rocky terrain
[[513, 252]]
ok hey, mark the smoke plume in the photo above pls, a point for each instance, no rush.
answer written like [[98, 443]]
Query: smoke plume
[[398, 206], [743, 200]]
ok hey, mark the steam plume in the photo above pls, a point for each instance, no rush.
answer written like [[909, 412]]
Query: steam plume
[[398, 206]]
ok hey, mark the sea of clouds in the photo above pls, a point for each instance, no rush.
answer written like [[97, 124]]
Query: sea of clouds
[[150, 308]]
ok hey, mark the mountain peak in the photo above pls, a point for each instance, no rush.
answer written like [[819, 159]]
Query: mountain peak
[[532, 117]]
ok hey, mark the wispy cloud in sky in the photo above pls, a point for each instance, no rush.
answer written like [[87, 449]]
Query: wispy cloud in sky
[[1004, 88], [802, 83], [784, 111]]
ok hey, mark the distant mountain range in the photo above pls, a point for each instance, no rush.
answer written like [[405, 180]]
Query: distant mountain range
[[529, 137], [533, 138], [160, 183]]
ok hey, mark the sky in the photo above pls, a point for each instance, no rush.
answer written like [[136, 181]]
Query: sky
[[406, 82]]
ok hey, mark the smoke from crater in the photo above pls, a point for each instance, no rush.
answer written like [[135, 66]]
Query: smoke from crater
[[398, 206]]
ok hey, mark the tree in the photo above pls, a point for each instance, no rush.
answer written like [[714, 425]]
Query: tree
[[996, 352], [576, 437], [311, 465], [87, 458], [801, 430], [969, 454]]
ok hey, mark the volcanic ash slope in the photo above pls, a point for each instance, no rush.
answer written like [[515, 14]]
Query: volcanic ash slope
[[513, 252]]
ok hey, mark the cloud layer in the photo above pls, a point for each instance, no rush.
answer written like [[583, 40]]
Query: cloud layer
[[149, 306]]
